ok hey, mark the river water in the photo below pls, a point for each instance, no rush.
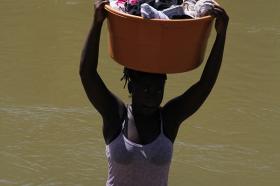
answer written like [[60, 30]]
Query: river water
[[50, 135]]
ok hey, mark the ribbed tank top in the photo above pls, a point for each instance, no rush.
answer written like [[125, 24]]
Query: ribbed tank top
[[132, 164]]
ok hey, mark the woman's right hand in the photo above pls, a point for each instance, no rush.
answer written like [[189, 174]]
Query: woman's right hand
[[99, 11]]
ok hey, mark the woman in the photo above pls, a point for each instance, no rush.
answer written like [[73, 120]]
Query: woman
[[139, 137]]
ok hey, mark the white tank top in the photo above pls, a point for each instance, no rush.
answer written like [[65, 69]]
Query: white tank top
[[132, 164]]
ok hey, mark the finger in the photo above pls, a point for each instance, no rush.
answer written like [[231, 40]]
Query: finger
[[216, 12], [221, 12], [215, 2], [219, 8], [97, 3], [100, 3]]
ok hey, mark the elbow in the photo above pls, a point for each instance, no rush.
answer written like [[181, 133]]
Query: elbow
[[87, 75], [82, 66], [205, 87], [84, 74], [81, 71], [84, 69]]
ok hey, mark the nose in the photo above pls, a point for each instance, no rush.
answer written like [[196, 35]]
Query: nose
[[153, 96], [153, 91]]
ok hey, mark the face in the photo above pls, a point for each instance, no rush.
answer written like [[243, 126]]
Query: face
[[147, 94]]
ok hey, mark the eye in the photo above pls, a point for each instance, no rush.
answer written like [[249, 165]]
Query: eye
[[159, 91], [146, 90]]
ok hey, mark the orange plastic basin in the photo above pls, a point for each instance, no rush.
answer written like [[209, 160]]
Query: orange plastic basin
[[155, 45]]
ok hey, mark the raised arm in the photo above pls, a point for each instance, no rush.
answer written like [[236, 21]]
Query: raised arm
[[108, 105], [181, 107]]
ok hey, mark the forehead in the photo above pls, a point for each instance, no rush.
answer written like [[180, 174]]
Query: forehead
[[149, 80]]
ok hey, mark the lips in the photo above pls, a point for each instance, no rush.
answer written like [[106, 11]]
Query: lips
[[149, 107]]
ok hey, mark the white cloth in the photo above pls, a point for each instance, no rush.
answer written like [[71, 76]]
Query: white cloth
[[198, 8], [148, 12], [192, 8]]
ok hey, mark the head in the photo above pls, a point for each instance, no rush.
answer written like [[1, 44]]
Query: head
[[146, 89]]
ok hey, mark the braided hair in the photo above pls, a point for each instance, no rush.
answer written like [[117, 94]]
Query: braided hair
[[134, 75]]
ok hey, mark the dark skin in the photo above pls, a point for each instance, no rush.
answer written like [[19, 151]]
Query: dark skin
[[147, 93]]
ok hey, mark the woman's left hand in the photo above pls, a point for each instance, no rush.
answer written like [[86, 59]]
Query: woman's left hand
[[221, 19]]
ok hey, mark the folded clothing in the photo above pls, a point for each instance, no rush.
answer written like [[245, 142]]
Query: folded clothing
[[165, 9]]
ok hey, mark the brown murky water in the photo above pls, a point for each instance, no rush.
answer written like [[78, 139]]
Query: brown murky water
[[51, 135]]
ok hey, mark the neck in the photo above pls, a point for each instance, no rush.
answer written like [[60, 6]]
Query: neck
[[141, 117]]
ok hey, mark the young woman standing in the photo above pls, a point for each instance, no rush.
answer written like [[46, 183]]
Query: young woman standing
[[139, 136]]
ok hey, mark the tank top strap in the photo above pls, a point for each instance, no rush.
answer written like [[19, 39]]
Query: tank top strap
[[128, 113], [125, 122]]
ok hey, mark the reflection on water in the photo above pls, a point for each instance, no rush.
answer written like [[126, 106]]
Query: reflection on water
[[51, 135]]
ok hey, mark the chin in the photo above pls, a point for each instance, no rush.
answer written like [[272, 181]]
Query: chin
[[145, 110], [149, 110]]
